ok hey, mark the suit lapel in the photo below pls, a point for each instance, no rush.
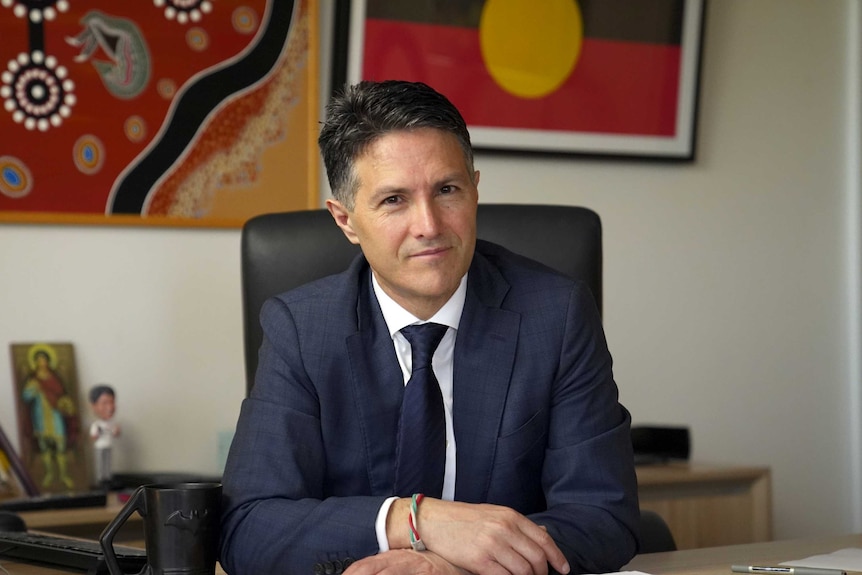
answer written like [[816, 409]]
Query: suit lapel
[[378, 387], [484, 356]]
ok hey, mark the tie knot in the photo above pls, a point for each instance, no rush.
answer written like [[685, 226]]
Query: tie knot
[[424, 339]]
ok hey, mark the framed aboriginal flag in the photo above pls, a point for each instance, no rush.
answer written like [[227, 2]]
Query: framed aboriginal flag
[[605, 77], [165, 112]]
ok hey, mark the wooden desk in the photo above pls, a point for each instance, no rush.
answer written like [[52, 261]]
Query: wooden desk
[[86, 522], [711, 561], [709, 505], [717, 560], [15, 568]]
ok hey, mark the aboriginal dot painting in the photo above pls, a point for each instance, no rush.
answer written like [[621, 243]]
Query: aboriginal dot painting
[[177, 112]]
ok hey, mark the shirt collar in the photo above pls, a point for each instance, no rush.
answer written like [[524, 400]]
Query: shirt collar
[[397, 317]]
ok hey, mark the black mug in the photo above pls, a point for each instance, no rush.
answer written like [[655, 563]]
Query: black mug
[[181, 528]]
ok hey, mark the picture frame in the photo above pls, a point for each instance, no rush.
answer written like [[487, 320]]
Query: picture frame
[[198, 113], [15, 481], [624, 84], [51, 438]]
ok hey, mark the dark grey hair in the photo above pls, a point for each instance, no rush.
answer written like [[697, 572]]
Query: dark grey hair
[[98, 391], [364, 112]]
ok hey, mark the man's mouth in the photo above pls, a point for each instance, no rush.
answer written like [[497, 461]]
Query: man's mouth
[[430, 252]]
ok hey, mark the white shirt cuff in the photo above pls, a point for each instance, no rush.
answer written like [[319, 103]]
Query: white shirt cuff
[[380, 525]]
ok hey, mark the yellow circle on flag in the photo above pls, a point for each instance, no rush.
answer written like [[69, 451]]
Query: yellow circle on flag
[[530, 47]]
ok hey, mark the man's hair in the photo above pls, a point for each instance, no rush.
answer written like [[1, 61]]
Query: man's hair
[[364, 112], [98, 391]]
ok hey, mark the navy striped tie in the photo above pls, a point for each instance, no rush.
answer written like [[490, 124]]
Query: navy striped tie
[[421, 457]]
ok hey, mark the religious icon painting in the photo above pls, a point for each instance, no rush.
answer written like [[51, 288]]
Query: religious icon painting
[[596, 77], [52, 444], [159, 112]]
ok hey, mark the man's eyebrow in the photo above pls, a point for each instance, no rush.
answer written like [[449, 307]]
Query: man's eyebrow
[[385, 189], [457, 176]]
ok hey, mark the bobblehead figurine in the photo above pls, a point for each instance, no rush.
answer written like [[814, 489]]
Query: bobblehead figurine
[[103, 430]]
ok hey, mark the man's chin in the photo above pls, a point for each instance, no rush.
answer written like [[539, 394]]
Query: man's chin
[[429, 286]]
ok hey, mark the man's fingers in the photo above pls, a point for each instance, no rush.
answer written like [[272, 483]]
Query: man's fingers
[[534, 558], [489, 539], [516, 562], [518, 546], [402, 562], [549, 552], [554, 556]]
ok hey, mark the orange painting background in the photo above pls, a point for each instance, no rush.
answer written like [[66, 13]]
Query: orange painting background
[[254, 153]]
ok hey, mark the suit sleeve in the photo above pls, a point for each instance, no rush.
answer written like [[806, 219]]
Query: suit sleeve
[[588, 473], [277, 515]]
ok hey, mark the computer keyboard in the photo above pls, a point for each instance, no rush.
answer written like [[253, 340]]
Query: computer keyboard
[[85, 555]]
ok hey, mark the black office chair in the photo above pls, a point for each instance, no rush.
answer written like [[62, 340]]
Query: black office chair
[[285, 250], [655, 534]]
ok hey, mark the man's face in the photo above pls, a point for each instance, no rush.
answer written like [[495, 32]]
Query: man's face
[[414, 216], [104, 406]]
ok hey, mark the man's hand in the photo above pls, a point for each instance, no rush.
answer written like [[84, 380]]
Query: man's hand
[[403, 562], [483, 538]]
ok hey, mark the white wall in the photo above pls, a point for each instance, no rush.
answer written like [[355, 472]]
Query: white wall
[[728, 301], [724, 279], [154, 312]]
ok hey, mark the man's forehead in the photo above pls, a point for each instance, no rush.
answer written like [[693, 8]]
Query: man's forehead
[[403, 141]]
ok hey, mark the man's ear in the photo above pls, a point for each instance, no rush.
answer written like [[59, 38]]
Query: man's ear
[[342, 219]]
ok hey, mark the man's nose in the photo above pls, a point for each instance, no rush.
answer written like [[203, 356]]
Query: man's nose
[[426, 219]]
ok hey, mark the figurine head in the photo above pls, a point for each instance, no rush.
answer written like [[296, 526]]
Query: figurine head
[[102, 400]]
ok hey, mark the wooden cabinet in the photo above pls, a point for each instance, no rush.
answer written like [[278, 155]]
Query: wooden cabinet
[[709, 505]]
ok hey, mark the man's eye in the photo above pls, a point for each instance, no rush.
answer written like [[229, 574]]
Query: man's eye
[[447, 189], [391, 200]]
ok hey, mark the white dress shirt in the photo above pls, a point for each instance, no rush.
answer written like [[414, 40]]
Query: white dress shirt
[[397, 317]]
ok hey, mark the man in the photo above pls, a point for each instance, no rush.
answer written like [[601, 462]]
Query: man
[[103, 431], [535, 469]]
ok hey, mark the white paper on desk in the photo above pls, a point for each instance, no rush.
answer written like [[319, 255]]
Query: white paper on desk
[[849, 559], [627, 573]]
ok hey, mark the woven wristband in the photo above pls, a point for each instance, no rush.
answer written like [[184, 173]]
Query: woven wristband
[[415, 541]]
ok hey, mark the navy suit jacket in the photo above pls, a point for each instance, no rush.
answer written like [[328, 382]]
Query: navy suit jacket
[[537, 422]]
